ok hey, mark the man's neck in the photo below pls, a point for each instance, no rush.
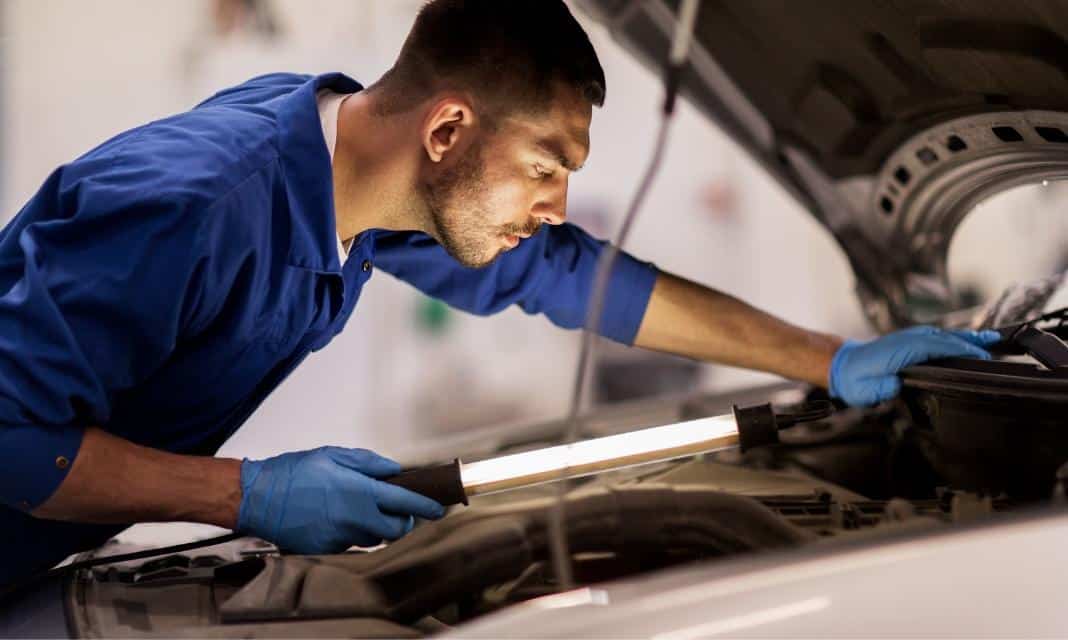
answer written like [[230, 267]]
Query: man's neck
[[373, 181]]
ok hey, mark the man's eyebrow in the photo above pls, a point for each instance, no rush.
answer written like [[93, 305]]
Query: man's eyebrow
[[556, 151]]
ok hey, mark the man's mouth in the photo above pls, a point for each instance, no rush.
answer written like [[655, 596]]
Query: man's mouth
[[511, 240]]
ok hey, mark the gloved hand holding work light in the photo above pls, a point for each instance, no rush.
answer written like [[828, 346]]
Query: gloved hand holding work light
[[326, 500]]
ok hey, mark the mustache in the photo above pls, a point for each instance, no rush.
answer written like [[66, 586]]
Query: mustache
[[528, 229]]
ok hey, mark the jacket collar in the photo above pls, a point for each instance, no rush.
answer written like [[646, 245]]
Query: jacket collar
[[308, 174]]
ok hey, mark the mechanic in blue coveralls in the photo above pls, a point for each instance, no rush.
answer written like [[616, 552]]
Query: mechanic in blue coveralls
[[155, 290]]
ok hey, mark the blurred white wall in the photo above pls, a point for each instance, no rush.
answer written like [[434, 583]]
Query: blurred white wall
[[76, 72]]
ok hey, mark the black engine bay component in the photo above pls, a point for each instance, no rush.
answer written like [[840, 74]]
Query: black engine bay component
[[997, 426], [991, 426], [1041, 338]]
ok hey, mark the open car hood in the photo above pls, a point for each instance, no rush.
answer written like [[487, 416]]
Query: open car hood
[[887, 120]]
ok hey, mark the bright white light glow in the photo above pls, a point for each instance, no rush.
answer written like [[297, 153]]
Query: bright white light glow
[[590, 456]]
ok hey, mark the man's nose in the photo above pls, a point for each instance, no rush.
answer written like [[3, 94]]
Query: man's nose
[[552, 210]]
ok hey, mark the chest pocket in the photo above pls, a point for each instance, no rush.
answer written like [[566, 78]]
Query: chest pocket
[[302, 306]]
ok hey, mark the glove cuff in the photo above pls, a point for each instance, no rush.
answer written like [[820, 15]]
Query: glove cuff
[[834, 386], [250, 469]]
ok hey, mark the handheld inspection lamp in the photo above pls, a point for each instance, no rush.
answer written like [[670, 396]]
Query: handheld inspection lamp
[[455, 482]]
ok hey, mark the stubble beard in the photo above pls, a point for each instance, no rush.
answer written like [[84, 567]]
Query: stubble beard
[[455, 207]]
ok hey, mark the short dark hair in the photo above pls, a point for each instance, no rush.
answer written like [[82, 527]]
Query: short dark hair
[[510, 54]]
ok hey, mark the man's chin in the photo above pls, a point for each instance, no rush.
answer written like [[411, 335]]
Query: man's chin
[[476, 263], [487, 262]]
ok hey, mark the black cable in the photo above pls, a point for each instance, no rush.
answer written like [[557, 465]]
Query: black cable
[[561, 555], [122, 557], [809, 412], [558, 539]]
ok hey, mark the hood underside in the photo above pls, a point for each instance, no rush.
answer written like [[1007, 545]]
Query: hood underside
[[850, 81], [866, 109]]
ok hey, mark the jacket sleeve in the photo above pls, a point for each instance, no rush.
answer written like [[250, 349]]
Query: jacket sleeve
[[550, 273], [92, 298]]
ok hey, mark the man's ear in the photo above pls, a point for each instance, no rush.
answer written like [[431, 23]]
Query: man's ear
[[448, 125]]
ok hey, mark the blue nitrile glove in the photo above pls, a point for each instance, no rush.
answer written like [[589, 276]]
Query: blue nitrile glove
[[865, 373], [326, 500]]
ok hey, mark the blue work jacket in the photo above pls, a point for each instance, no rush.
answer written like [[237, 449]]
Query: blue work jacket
[[164, 283]]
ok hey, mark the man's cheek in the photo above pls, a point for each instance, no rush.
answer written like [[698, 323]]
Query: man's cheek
[[510, 203]]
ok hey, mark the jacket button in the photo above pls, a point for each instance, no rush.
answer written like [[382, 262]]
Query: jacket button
[[366, 266], [62, 462]]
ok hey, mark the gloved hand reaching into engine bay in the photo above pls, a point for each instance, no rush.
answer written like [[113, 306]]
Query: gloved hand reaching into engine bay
[[326, 500], [865, 373], [689, 319]]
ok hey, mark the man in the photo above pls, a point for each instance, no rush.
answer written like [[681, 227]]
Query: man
[[156, 289]]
